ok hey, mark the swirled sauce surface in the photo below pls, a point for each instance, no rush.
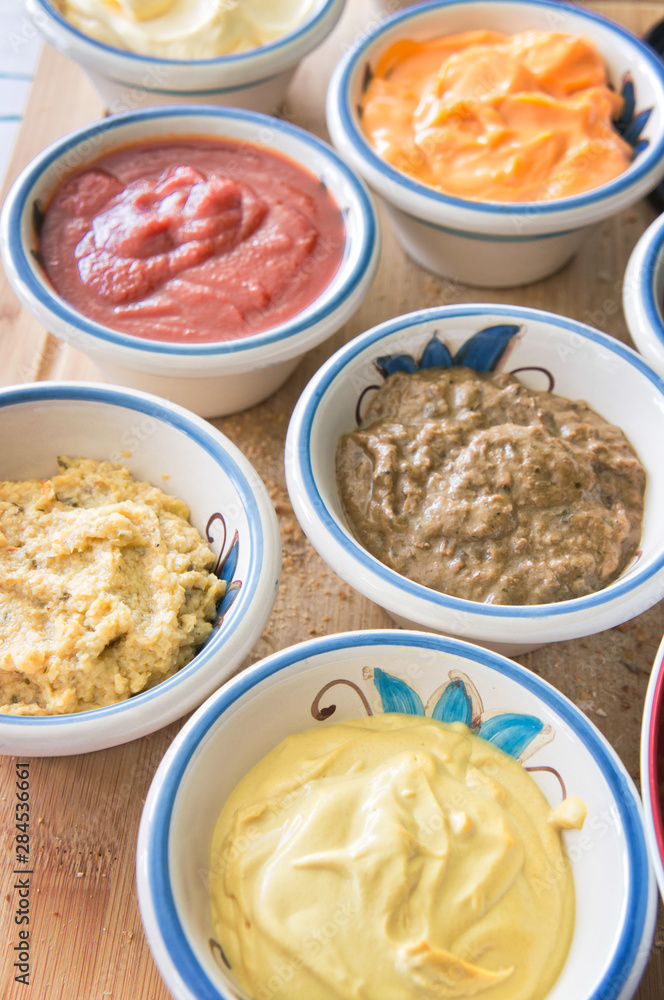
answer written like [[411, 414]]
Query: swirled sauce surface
[[192, 240], [394, 856], [185, 29], [477, 486], [492, 117]]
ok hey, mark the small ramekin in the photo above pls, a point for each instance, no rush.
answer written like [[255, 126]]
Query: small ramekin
[[548, 352], [335, 678], [212, 379], [256, 79], [652, 766], [499, 244], [643, 294], [187, 457]]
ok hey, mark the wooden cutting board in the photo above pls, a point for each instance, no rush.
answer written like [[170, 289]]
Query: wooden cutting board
[[86, 937]]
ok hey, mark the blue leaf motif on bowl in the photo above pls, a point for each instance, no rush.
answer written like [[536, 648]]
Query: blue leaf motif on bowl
[[483, 351], [456, 700], [631, 122], [225, 566]]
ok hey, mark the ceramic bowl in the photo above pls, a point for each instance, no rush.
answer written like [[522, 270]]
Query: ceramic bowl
[[346, 676], [548, 352], [493, 243], [652, 766], [257, 78], [643, 294], [211, 379], [229, 505]]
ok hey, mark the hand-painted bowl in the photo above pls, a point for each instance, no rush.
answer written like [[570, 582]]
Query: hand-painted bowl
[[212, 379], [350, 675], [257, 78], [652, 766], [643, 294], [548, 352], [186, 457], [492, 243]]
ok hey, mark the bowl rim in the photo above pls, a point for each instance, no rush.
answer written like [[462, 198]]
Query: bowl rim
[[348, 67], [293, 38], [645, 263], [239, 471], [652, 739], [300, 444], [156, 901], [367, 237]]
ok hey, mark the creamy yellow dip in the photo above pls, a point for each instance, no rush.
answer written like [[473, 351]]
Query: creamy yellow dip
[[393, 856], [185, 29], [105, 589]]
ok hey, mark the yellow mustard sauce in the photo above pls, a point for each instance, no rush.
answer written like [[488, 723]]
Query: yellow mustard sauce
[[393, 856], [487, 116]]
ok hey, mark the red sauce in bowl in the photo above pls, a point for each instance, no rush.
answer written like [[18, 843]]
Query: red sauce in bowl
[[656, 759], [192, 240]]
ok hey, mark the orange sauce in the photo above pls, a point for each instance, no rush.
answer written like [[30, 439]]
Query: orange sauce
[[491, 117]]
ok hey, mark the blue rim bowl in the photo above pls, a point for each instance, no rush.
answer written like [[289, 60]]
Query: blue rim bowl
[[40, 178], [646, 170], [548, 350], [192, 78], [152, 438], [275, 697], [643, 294]]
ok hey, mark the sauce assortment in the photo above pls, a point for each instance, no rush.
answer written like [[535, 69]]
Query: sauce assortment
[[465, 482]]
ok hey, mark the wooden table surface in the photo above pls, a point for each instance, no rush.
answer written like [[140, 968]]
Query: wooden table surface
[[86, 939]]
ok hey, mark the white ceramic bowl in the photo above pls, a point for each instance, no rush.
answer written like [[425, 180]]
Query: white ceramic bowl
[[286, 693], [643, 294], [652, 766], [549, 351], [228, 503], [493, 243], [255, 79], [211, 379]]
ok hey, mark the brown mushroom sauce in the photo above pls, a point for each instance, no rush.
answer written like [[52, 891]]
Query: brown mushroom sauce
[[476, 486]]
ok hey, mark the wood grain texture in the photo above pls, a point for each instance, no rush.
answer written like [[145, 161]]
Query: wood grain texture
[[86, 936]]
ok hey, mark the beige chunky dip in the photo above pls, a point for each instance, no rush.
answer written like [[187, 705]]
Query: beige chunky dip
[[105, 589], [476, 486]]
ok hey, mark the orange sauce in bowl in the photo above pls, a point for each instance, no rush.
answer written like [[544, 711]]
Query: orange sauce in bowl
[[492, 117]]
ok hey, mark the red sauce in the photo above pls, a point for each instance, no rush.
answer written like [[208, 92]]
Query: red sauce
[[192, 240]]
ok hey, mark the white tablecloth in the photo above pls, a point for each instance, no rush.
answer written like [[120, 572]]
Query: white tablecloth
[[19, 48]]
